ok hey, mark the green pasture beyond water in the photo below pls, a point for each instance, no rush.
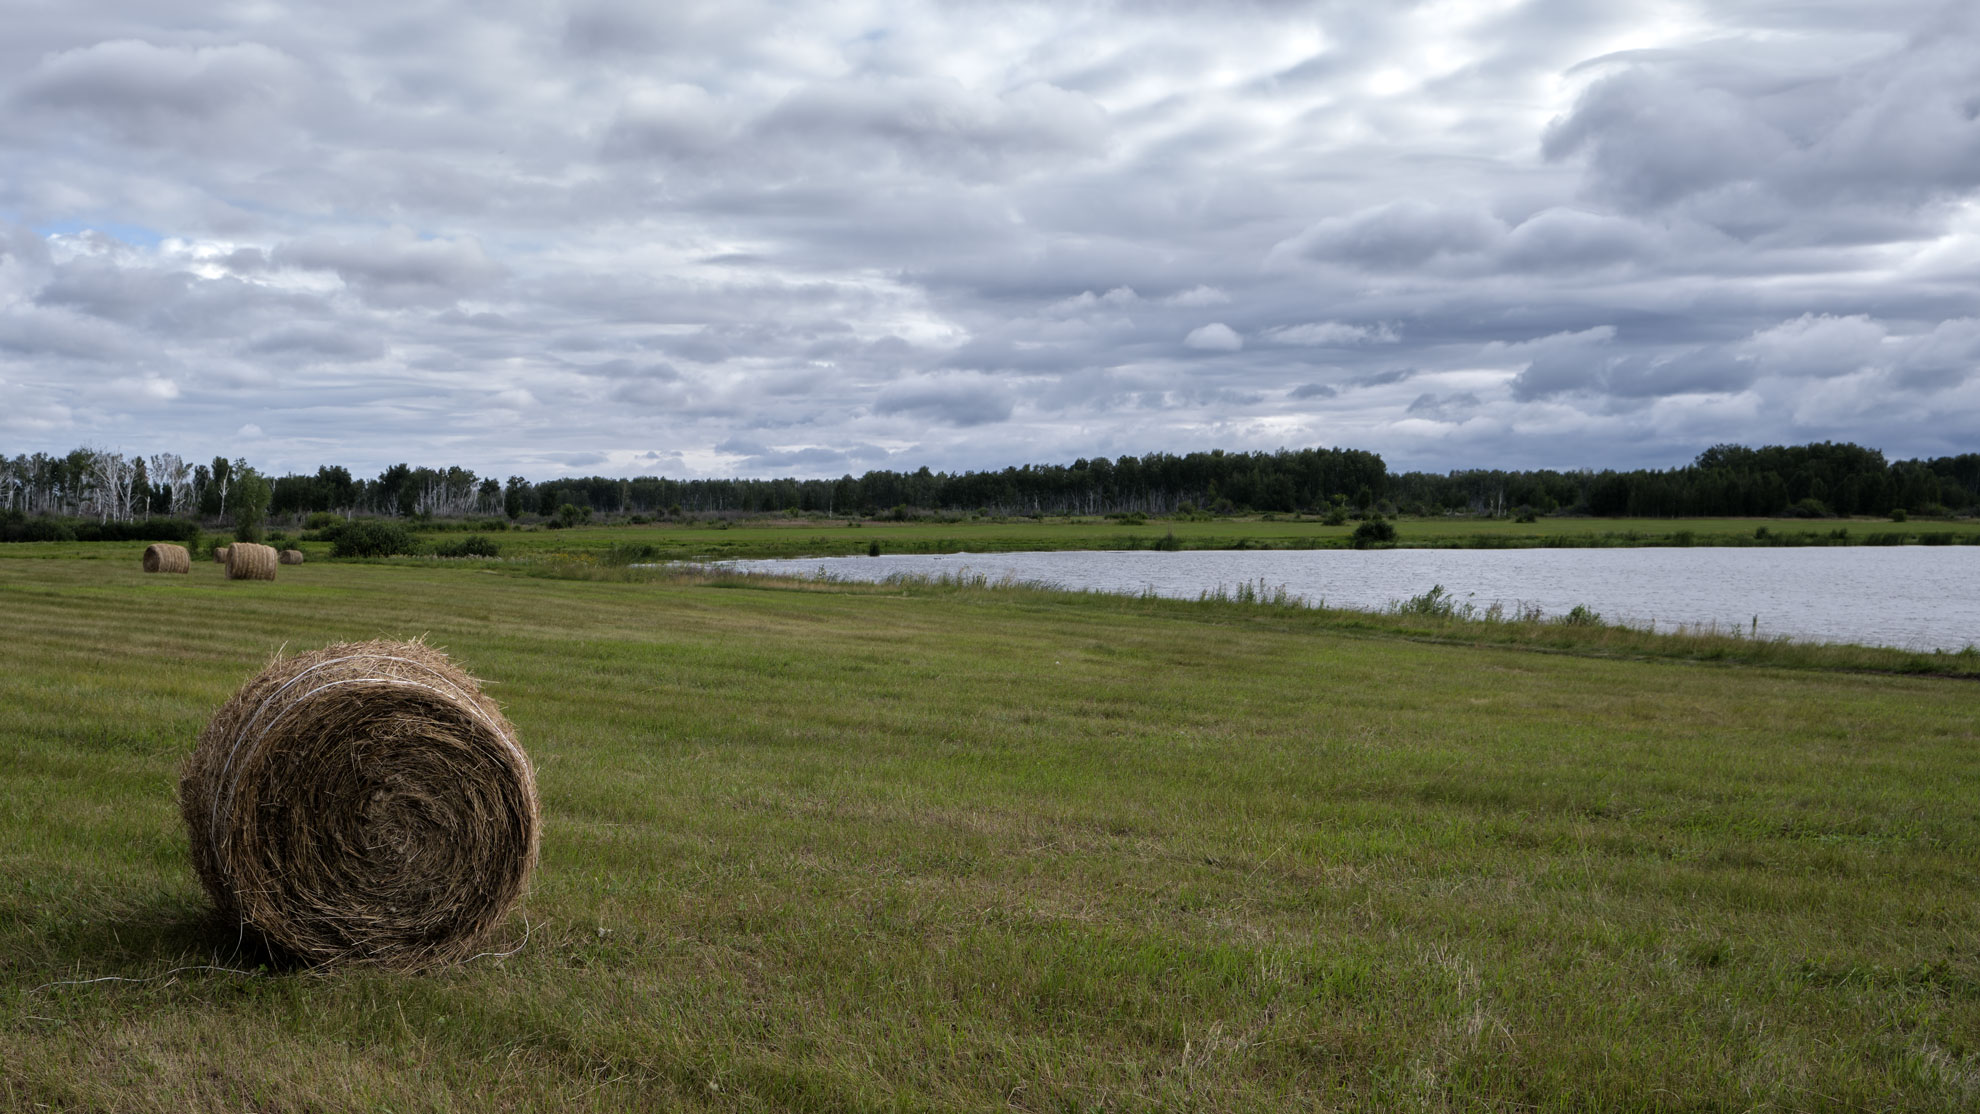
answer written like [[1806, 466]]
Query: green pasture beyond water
[[777, 536], [826, 847]]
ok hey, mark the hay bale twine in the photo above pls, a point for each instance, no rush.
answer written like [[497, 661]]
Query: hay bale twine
[[362, 803], [220, 553], [166, 557], [292, 557], [249, 561]]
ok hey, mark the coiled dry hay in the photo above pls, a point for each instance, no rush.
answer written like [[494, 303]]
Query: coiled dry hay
[[362, 803], [249, 561], [220, 553], [166, 557], [292, 557]]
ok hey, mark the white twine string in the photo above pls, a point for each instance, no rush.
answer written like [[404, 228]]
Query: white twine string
[[154, 978]]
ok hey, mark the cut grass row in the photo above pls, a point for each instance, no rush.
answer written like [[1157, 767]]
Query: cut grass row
[[813, 847]]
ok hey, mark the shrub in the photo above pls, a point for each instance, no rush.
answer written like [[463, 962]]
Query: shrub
[[474, 545], [178, 530], [1898, 515], [1581, 616], [873, 548], [1810, 508], [1526, 514], [1375, 531], [323, 520], [1338, 516], [372, 538], [1437, 603], [40, 530]]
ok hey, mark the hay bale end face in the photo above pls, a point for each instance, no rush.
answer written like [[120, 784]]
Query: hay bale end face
[[166, 557], [363, 803], [292, 557], [248, 561], [220, 553]]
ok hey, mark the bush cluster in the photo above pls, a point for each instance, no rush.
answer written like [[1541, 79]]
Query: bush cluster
[[474, 545], [1375, 531], [16, 527], [371, 537]]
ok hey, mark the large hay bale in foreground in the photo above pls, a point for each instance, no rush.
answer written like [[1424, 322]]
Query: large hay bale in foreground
[[249, 561], [166, 557], [292, 557], [220, 553], [362, 803]]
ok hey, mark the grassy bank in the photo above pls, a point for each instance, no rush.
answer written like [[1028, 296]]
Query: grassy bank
[[815, 847]]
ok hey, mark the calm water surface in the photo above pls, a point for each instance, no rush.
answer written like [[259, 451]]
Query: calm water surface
[[1918, 597]]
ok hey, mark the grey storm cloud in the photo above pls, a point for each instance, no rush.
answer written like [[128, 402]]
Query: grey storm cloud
[[766, 236], [1399, 234], [153, 95], [321, 343], [956, 400], [397, 268]]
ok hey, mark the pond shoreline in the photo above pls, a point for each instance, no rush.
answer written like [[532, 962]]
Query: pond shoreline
[[1914, 598]]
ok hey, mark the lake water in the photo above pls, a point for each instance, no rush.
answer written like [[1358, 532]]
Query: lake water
[[1917, 597]]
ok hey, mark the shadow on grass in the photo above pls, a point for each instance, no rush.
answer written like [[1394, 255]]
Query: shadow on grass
[[141, 940]]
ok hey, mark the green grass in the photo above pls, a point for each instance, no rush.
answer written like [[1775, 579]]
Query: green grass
[[799, 537], [818, 847], [783, 536]]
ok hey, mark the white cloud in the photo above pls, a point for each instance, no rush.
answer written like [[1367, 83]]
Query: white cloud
[[1214, 337], [867, 234], [1332, 333], [1199, 295]]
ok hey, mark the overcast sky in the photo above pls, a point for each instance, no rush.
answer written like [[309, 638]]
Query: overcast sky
[[761, 238]]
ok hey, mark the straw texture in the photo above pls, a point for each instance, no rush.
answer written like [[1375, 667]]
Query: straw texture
[[292, 557], [249, 561], [166, 557], [363, 803]]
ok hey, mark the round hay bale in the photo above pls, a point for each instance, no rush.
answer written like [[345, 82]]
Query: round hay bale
[[362, 803], [220, 553], [292, 557], [166, 557], [249, 561]]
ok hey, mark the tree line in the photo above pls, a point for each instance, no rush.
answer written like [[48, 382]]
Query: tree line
[[1815, 480]]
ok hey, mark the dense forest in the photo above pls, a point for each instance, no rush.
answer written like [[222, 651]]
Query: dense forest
[[1815, 480]]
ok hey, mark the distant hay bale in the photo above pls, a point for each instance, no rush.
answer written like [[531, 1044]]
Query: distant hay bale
[[249, 561], [292, 557], [166, 557], [364, 803], [220, 553]]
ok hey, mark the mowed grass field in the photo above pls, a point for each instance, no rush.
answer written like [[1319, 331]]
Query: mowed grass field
[[819, 847]]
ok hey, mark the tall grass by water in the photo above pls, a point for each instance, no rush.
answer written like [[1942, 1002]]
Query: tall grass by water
[[915, 846]]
